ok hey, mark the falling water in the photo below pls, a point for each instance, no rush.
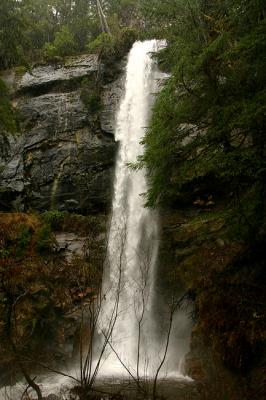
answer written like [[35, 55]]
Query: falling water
[[133, 238]]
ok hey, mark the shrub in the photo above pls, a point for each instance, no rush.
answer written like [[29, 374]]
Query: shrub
[[103, 43], [113, 45], [54, 218], [20, 70], [4, 253], [91, 98], [23, 238], [63, 45], [128, 37]]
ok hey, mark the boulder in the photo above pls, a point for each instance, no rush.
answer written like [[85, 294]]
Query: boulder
[[71, 245]]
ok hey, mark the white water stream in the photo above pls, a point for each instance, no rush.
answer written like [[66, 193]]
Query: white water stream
[[130, 298], [133, 238]]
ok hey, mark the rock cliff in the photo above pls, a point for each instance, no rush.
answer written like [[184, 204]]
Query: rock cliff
[[63, 156]]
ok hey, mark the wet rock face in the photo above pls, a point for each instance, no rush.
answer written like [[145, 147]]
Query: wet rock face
[[64, 158], [111, 95], [214, 380]]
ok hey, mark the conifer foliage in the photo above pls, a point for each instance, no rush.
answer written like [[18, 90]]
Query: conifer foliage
[[209, 120]]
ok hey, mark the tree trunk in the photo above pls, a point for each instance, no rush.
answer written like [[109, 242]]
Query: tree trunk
[[104, 23]]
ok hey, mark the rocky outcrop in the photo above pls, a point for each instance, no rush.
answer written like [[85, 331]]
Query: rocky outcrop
[[222, 279], [64, 156], [71, 245], [45, 77]]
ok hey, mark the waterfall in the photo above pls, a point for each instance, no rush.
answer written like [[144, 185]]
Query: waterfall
[[133, 238]]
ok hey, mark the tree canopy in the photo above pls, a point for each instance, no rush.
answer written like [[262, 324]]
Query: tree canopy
[[208, 121], [33, 29]]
